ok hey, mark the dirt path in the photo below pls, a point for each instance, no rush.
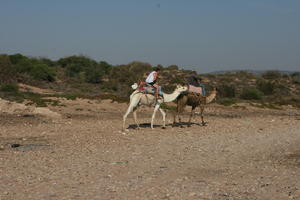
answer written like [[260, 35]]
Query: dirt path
[[241, 154]]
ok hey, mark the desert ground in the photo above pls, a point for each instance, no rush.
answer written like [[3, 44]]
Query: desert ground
[[243, 153]]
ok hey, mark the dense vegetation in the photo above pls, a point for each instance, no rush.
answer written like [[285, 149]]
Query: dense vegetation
[[80, 76]]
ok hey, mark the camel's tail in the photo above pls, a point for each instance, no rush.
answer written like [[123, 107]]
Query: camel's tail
[[212, 96]]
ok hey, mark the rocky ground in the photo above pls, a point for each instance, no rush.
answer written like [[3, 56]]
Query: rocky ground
[[242, 153]]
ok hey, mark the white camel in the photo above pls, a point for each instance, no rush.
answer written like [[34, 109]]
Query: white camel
[[138, 98]]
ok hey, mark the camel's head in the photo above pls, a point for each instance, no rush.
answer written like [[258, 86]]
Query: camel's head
[[134, 86], [181, 88], [215, 90]]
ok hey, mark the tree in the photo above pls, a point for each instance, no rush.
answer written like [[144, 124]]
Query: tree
[[42, 72], [7, 71], [84, 68]]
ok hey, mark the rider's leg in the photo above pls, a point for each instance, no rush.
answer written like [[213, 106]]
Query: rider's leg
[[203, 90], [156, 90]]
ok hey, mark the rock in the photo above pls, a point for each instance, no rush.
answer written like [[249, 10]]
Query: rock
[[15, 145]]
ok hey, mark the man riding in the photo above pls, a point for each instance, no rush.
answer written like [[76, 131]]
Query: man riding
[[151, 80], [195, 85]]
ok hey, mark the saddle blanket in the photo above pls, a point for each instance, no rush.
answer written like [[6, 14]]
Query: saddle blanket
[[195, 89]]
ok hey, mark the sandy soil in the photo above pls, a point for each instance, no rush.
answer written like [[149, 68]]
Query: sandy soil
[[243, 153]]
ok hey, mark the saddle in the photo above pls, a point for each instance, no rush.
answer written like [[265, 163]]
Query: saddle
[[150, 90], [195, 90]]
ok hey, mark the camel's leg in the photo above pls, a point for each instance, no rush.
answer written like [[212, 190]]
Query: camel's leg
[[153, 115], [130, 108], [180, 109], [135, 118], [191, 115], [201, 113], [174, 117], [163, 113], [179, 119]]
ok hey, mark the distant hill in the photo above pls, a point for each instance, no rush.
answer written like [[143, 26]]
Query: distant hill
[[79, 76], [255, 72]]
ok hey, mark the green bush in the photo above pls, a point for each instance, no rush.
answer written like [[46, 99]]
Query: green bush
[[139, 68], [105, 67], [245, 74], [7, 71], [24, 66], [9, 88], [168, 107], [42, 72], [172, 67], [296, 77], [227, 101], [93, 74], [272, 75], [227, 91], [265, 86], [84, 68], [17, 58], [251, 94], [73, 69]]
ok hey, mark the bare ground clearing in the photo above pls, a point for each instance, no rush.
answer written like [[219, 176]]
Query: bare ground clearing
[[242, 154]]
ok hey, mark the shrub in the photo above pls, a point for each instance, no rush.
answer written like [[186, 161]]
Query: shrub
[[282, 89], [24, 65], [251, 94], [72, 96], [177, 81], [296, 77], [172, 67], [93, 74], [9, 88], [245, 74], [168, 107], [17, 58], [7, 71], [139, 68], [267, 87], [227, 101], [227, 91], [73, 69], [42, 72], [295, 74], [84, 68], [105, 67], [271, 75]]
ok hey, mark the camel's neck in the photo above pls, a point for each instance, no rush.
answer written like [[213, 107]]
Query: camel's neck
[[171, 97], [211, 97]]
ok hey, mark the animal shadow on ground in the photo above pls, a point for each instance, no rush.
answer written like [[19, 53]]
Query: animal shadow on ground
[[143, 125], [186, 124], [148, 125]]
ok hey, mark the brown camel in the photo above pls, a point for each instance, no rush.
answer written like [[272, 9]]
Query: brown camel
[[193, 100]]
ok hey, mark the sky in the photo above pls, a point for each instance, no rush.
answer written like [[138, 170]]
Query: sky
[[202, 35]]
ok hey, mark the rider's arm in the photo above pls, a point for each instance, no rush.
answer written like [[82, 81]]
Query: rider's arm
[[155, 76]]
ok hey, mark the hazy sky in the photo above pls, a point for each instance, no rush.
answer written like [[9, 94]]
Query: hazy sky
[[205, 35]]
